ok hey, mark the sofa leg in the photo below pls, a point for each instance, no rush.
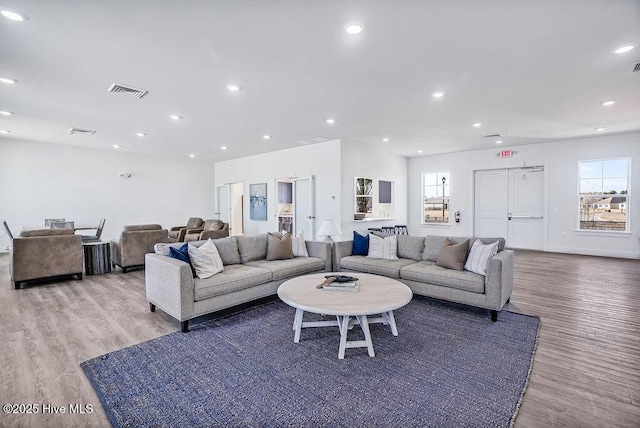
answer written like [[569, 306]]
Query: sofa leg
[[124, 269], [152, 307], [185, 326], [16, 284], [494, 316]]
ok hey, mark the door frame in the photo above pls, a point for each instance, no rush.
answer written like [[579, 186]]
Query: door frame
[[545, 209]]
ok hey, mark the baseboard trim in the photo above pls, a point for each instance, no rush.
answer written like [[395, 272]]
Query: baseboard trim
[[591, 252]]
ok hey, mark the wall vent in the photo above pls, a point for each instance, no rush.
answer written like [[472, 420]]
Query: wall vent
[[496, 135], [134, 92], [635, 68], [80, 131]]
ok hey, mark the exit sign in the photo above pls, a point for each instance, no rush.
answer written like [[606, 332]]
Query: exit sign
[[506, 154]]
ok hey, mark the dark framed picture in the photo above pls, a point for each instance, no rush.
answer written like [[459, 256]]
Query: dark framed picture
[[258, 201]]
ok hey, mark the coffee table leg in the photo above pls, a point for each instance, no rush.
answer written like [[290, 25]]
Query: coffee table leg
[[297, 325], [364, 324], [344, 329], [392, 323]]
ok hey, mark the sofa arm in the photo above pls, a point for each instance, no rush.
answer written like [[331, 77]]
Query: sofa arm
[[176, 228], [116, 252], [341, 249], [170, 286], [499, 279], [321, 250]]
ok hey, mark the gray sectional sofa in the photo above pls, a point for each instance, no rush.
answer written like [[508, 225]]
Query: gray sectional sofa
[[416, 268], [247, 276]]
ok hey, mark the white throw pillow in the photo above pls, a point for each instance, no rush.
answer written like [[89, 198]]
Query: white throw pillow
[[205, 259], [161, 248], [298, 246], [383, 248], [479, 256]]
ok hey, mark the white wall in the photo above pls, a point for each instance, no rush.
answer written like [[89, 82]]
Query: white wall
[[320, 160], [39, 181], [362, 160], [560, 161]]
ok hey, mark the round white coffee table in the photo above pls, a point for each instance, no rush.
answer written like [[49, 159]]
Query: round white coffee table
[[376, 295]]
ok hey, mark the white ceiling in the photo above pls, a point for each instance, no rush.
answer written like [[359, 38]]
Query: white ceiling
[[535, 70]]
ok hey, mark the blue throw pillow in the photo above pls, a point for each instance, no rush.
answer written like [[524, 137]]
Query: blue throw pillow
[[360, 244], [181, 253]]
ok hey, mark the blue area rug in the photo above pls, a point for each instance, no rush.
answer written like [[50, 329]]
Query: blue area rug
[[449, 366]]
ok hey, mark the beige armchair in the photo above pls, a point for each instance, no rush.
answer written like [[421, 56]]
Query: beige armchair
[[134, 243], [211, 229], [45, 253], [177, 233]]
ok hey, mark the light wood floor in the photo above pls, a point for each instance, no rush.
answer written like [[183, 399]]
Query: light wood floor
[[586, 371]]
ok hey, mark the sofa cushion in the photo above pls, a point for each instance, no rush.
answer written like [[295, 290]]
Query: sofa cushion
[[410, 247], [383, 248], [390, 268], [279, 248], [205, 259], [228, 250], [360, 244], [290, 267], [428, 272], [479, 256], [232, 278], [45, 232], [453, 256], [252, 247]]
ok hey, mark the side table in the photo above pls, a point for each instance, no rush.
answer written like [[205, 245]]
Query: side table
[[97, 258]]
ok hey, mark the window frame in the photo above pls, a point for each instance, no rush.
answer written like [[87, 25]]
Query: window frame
[[627, 229], [423, 221]]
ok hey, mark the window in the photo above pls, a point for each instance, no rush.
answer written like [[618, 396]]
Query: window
[[435, 197], [603, 195]]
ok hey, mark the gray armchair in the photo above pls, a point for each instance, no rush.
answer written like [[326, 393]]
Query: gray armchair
[[177, 233], [45, 253], [211, 229], [134, 243]]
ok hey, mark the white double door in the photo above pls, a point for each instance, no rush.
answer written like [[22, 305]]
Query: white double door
[[510, 203], [303, 206]]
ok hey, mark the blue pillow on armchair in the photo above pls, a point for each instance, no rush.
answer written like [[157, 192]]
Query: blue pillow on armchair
[[360, 244], [181, 253]]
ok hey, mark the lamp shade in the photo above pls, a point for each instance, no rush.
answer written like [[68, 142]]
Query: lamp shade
[[328, 228]]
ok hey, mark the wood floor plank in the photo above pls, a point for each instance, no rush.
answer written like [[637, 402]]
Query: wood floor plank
[[586, 372]]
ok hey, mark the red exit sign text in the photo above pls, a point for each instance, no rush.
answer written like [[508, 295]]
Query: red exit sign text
[[506, 154]]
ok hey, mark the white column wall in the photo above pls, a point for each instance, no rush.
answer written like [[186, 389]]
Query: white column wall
[[560, 160], [39, 180]]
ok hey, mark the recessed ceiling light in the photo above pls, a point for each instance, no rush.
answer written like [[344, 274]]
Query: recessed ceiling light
[[602, 128], [385, 139], [624, 48], [117, 146], [140, 134], [13, 14], [223, 147], [175, 117], [206, 152], [4, 131], [330, 121], [438, 94], [8, 80], [266, 137], [476, 125], [192, 155], [6, 113], [354, 28], [233, 88], [498, 141], [608, 103]]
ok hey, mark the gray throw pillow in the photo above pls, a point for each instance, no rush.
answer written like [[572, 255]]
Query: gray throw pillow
[[228, 250], [453, 256], [279, 248]]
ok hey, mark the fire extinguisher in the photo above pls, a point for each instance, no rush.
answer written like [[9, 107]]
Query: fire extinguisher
[[457, 216]]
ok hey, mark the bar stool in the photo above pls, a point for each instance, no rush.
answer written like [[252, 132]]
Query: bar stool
[[401, 229], [390, 230]]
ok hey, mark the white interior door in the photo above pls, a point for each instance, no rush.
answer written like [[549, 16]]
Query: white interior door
[[304, 207], [490, 206], [236, 211], [223, 207], [525, 217]]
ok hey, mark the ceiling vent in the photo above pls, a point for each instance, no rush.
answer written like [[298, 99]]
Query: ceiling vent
[[496, 135], [134, 92], [304, 142], [80, 131], [635, 68]]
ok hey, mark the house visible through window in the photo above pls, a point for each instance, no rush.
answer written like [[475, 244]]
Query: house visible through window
[[604, 203], [435, 197]]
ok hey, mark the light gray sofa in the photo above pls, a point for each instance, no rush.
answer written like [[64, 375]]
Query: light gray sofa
[[416, 268], [247, 276]]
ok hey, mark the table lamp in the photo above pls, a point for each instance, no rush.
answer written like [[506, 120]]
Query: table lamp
[[328, 228]]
